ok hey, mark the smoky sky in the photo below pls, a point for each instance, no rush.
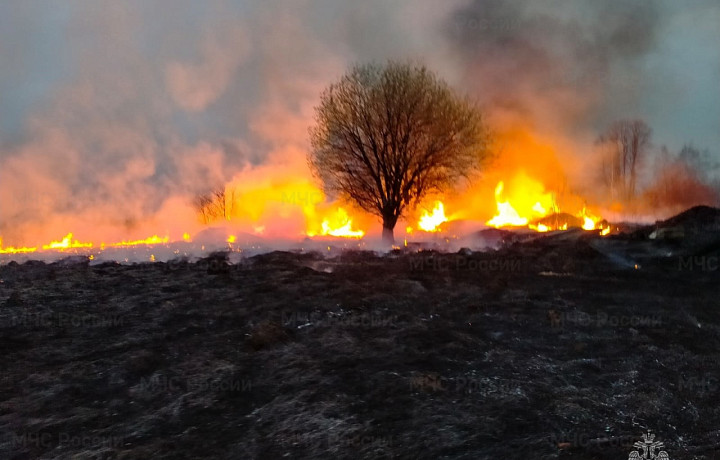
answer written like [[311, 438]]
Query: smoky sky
[[111, 108], [589, 63]]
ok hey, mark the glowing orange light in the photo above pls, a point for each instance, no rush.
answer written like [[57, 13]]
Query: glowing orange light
[[527, 201], [15, 250], [67, 243], [340, 224], [540, 228], [147, 241], [506, 213], [430, 222]]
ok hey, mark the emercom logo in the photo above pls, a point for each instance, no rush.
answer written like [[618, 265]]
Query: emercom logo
[[647, 449]]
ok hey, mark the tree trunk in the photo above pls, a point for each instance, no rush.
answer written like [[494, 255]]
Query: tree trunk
[[388, 236], [387, 233]]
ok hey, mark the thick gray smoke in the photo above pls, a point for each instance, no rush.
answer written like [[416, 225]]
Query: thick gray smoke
[[569, 69], [564, 62], [115, 114]]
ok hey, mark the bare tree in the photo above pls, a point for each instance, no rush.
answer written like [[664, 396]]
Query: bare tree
[[386, 136], [625, 142], [203, 206], [681, 181], [217, 204], [224, 202], [700, 160]]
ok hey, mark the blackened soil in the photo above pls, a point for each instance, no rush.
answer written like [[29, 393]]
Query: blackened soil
[[542, 350]]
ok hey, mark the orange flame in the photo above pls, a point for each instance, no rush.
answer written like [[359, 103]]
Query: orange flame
[[530, 202], [340, 225], [430, 222], [540, 228], [15, 250], [147, 241], [67, 243]]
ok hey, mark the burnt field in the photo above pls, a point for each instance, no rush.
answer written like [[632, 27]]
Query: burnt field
[[564, 346]]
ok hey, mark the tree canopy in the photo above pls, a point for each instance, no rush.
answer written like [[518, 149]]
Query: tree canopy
[[387, 136]]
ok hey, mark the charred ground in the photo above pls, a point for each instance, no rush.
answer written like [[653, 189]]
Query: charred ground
[[554, 347]]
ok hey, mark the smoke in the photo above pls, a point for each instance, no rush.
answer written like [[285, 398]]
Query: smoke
[[196, 85], [149, 106], [557, 73], [116, 114], [557, 62]]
